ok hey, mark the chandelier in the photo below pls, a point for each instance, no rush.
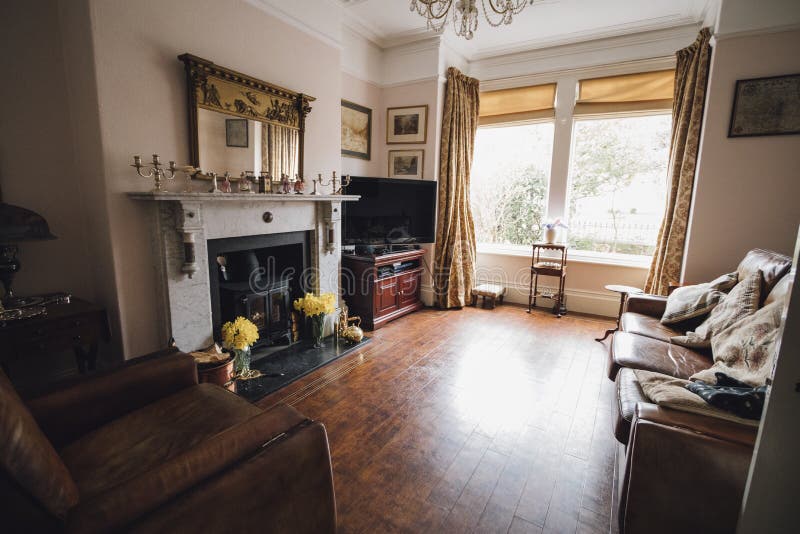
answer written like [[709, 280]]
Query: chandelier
[[465, 14]]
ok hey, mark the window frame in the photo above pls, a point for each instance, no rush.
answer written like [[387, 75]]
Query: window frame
[[557, 201]]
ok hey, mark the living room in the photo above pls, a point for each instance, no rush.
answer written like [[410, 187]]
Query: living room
[[436, 415]]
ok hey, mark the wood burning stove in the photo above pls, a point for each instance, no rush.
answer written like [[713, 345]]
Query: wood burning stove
[[268, 308], [257, 277]]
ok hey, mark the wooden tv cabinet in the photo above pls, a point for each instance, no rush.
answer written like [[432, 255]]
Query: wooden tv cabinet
[[377, 298]]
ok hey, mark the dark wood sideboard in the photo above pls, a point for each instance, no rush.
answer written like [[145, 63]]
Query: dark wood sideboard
[[378, 295], [77, 325]]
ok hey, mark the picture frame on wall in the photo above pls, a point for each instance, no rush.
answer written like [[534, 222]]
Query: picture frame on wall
[[766, 106], [407, 125], [236, 133], [356, 131], [406, 163]]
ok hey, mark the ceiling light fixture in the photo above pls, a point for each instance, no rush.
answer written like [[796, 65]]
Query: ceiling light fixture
[[465, 14]]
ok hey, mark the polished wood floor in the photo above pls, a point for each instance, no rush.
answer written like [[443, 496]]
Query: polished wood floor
[[469, 420]]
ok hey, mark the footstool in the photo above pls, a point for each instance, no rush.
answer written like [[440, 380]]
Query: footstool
[[491, 291]]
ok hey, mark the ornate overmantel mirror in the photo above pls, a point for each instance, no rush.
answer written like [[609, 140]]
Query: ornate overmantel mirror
[[242, 124]]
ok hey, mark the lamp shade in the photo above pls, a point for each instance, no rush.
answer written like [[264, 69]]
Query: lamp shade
[[20, 224]]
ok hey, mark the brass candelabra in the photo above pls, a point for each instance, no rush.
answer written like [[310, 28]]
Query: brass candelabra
[[155, 171], [344, 182]]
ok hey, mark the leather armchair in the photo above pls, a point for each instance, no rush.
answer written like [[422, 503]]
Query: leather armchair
[[145, 448]]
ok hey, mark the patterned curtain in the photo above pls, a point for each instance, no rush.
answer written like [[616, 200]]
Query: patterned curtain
[[691, 79], [279, 150], [454, 260]]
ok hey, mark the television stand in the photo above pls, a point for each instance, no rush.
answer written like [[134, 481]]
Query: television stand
[[384, 287]]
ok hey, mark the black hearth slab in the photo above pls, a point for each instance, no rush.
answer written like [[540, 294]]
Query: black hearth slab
[[293, 362]]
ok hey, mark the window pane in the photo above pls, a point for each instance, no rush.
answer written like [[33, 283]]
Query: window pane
[[618, 177], [510, 173]]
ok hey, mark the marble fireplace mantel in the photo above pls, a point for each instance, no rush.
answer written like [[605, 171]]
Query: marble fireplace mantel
[[182, 223]]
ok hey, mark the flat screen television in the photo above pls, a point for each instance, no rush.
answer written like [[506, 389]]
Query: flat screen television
[[390, 211]]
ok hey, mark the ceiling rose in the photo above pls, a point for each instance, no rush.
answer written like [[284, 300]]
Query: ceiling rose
[[465, 13]]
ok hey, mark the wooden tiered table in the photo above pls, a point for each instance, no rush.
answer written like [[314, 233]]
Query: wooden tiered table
[[548, 266]]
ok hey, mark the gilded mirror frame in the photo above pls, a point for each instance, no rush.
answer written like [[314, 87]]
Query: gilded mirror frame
[[223, 90]]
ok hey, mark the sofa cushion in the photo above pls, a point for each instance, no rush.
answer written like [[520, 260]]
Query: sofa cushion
[[647, 325], [629, 394], [780, 291], [772, 265], [687, 302], [640, 352], [29, 459], [740, 302], [147, 437]]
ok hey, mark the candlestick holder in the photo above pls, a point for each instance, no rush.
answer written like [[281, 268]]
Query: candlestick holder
[[345, 182], [155, 171], [331, 182], [314, 181]]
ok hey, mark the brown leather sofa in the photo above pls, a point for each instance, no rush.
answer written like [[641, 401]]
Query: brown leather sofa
[[145, 448], [682, 472]]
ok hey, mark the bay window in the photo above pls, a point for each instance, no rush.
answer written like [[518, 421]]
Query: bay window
[[598, 162]]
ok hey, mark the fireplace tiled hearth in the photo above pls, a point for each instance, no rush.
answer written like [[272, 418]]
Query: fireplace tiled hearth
[[183, 224]]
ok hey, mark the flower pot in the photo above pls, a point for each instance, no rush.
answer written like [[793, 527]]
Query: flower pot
[[220, 374], [550, 235]]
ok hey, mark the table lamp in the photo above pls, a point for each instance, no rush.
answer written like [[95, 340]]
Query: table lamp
[[17, 225]]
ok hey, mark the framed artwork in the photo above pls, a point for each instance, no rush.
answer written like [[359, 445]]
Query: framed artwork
[[356, 131], [406, 163], [236, 133], [766, 106], [407, 125]]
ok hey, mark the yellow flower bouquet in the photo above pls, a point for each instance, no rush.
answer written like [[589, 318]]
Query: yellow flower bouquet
[[315, 307], [238, 336]]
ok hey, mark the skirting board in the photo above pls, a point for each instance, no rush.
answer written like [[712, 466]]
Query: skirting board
[[592, 302]]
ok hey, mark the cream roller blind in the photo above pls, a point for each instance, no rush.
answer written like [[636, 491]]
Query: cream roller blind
[[520, 103], [645, 91]]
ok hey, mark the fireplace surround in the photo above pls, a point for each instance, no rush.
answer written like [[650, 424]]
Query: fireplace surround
[[185, 225]]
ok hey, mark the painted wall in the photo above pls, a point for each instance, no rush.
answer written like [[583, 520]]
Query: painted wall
[[124, 94], [747, 188], [37, 162]]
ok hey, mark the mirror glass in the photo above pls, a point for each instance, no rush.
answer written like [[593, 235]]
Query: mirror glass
[[227, 143], [240, 124]]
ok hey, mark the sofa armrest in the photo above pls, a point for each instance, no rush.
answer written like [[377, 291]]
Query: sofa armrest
[[684, 472], [74, 409], [280, 440], [652, 305]]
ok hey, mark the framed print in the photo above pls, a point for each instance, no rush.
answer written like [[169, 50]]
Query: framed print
[[236, 133], [406, 163], [407, 125], [766, 106], [356, 131]]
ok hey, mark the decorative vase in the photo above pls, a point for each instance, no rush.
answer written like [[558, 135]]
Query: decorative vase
[[318, 329], [550, 235], [242, 362]]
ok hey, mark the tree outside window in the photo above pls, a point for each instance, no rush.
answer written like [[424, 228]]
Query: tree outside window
[[509, 181], [617, 183]]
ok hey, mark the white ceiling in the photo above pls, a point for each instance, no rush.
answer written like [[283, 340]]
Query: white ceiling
[[545, 23]]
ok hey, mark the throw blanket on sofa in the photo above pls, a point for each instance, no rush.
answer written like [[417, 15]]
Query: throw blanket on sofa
[[744, 351]]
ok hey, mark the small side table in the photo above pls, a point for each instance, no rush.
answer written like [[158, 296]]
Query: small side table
[[555, 266], [623, 291]]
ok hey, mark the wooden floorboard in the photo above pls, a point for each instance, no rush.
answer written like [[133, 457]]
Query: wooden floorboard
[[469, 421]]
